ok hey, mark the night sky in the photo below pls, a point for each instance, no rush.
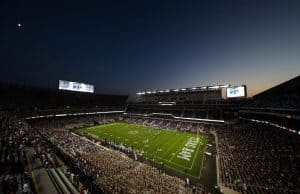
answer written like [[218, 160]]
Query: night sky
[[128, 46]]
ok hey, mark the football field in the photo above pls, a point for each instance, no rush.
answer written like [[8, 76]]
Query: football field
[[181, 151]]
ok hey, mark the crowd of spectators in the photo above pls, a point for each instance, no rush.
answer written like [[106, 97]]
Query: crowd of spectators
[[170, 124], [256, 158], [71, 122], [14, 137], [22, 151], [192, 112]]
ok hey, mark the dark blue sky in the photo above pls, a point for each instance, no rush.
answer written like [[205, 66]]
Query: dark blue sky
[[128, 46]]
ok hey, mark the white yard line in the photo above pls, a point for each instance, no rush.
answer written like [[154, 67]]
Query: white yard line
[[170, 162], [177, 151], [181, 171], [171, 147], [202, 161], [195, 155]]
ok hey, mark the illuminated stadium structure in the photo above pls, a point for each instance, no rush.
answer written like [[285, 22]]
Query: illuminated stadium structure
[[185, 140], [180, 95]]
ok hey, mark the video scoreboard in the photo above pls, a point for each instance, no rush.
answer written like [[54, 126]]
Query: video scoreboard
[[236, 92], [75, 86]]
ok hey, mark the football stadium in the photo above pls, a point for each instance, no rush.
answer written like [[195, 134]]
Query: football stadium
[[188, 140], [150, 97]]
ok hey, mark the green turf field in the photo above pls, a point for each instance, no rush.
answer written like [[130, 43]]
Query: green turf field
[[180, 151]]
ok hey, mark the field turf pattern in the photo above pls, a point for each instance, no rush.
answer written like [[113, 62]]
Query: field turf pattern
[[160, 145]]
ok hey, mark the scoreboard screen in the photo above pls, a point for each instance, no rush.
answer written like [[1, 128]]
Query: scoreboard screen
[[236, 92], [75, 86]]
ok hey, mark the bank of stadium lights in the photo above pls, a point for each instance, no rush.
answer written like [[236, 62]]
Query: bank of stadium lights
[[149, 92], [218, 86], [184, 89], [225, 86], [214, 87]]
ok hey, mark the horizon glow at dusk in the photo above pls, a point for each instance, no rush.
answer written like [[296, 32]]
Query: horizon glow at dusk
[[130, 46]]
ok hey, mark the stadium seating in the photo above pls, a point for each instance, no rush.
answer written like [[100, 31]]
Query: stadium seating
[[256, 158], [26, 157]]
